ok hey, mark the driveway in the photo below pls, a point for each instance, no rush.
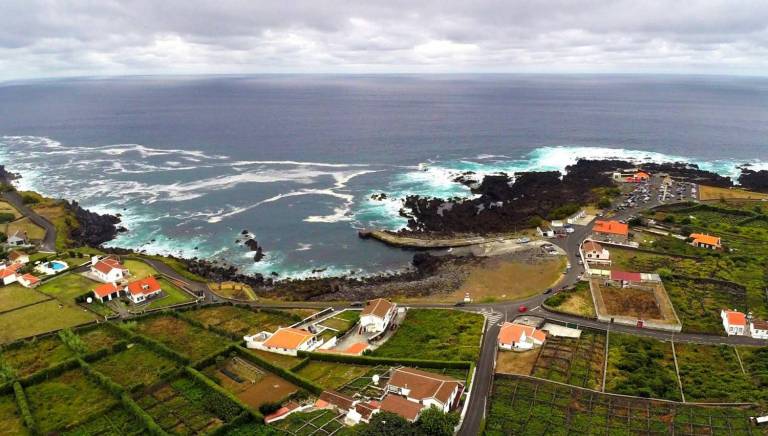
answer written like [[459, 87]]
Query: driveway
[[49, 241]]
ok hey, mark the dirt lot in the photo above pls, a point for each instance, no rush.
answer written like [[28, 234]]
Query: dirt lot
[[632, 302], [514, 362], [712, 193], [257, 386]]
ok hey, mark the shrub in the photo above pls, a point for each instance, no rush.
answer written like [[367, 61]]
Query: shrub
[[269, 408], [6, 217], [29, 198]]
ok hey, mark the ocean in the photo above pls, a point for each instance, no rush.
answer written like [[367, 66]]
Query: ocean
[[191, 162]]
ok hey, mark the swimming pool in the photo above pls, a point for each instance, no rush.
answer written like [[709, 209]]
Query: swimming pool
[[57, 265]]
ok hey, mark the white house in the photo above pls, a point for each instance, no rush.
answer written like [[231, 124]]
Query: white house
[[108, 269], [519, 337], [286, 340], [17, 256], [594, 252], [9, 274], [759, 329], [377, 315], [426, 388], [142, 290], [28, 280], [18, 238], [735, 323], [106, 292]]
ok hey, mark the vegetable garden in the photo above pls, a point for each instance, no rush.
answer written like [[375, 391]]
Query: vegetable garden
[[576, 361]]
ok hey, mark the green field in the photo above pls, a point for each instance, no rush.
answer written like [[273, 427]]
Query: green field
[[576, 301], [181, 336], [435, 334], [641, 367], [15, 295], [241, 321], [135, 366], [98, 338], [117, 422], [173, 295], [67, 401], [139, 269], [575, 361], [41, 318], [280, 360], [10, 419], [68, 286], [36, 355], [332, 375], [711, 373], [698, 304]]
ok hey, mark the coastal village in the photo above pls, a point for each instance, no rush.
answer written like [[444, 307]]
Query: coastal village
[[656, 322]]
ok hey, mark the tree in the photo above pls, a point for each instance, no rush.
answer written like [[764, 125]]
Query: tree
[[433, 422], [388, 424], [604, 203]]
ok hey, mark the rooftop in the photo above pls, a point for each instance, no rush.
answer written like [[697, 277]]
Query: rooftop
[[611, 227], [378, 307], [288, 338]]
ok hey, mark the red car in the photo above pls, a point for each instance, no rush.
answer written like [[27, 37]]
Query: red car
[[522, 309]]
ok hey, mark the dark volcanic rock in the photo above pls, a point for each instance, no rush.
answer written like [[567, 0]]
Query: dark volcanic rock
[[378, 197], [754, 180], [93, 229], [6, 176], [689, 173], [252, 244]]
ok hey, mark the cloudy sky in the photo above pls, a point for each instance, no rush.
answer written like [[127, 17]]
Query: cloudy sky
[[47, 38]]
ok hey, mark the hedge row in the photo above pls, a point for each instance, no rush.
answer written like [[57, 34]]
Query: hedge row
[[282, 372], [243, 418], [26, 413], [391, 361], [221, 393], [304, 362], [115, 389], [211, 358], [50, 372]]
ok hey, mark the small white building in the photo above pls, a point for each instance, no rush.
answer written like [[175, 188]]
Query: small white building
[[108, 269], [18, 238], [28, 280], [286, 340], [107, 292], [596, 253], [545, 232], [520, 337], [734, 322], [758, 329], [377, 314]]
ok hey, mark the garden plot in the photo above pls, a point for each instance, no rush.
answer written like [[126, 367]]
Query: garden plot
[[641, 367], [250, 383], [10, 419], [332, 375], [698, 302], [67, 401], [33, 356], [440, 334], [181, 336], [711, 373], [241, 321], [116, 422], [636, 304], [575, 361], [364, 386], [136, 366], [281, 360], [318, 422], [524, 406], [186, 407], [99, 338], [755, 362]]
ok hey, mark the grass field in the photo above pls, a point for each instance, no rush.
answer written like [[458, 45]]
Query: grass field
[[343, 321], [34, 232], [15, 295], [576, 301], [578, 362], [440, 335], [712, 193], [280, 360], [241, 321], [64, 221], [755, 362], [332, 375], [116, 421], [98, 338], [47, 316], [514, 362], [698, 304], [68, 286], [521, 406], [67, 401], [10, 419], [173, 295], [510, 280], [5, 207], [135, 366], [182, 337], [36, 355], [139, 269], [641, 367], [711, 373]]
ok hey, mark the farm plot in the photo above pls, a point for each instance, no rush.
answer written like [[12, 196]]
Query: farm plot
[[117, 422], [14, 296], [250, 383], [440, 335], [241, 321], [136, 366], [711, 373], [319, 422], [576, 301], [68, 286], [698, 303], [531, 407], [332, 375], [49, 316], [756, 365], [281, 360], [186, 407], [633, 302], [98, 338], [10, 419], [33, 356], [641, 367], [575, 361], [364, 385], [67, 401], [181, 336]]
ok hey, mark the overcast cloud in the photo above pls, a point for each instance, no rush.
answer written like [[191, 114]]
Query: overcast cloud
[[46, 38]]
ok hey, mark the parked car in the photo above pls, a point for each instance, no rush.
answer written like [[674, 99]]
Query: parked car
[[522, 309], [356, 304]]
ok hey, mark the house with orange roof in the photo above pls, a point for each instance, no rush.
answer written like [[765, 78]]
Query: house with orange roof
[[520, 337], [758, 329], [425, 388], [734, 322], [28, 280], [9, 274], [638, 177], [142, 290], [611, 231], [401, 406], [108, 269], [702, 240], [595, 253], [106, 292], [286, 340], [16, 256], [377, 315]]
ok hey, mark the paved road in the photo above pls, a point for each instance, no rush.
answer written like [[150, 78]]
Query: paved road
[[49, 242]]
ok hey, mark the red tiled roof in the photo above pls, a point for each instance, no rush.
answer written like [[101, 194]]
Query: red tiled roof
[[592, 246], [511, 332], [106, 265], [611, 227], [735, 318], [9, 270], [705, 239], [288, 338], [626, 276], [144, 286], [423, 384], [398, 405], [102, 291], [15, 255], [366, 409], [30, 278], [378, 307], [339, 400]]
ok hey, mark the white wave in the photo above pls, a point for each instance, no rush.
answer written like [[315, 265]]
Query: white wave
[[303, 246]]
